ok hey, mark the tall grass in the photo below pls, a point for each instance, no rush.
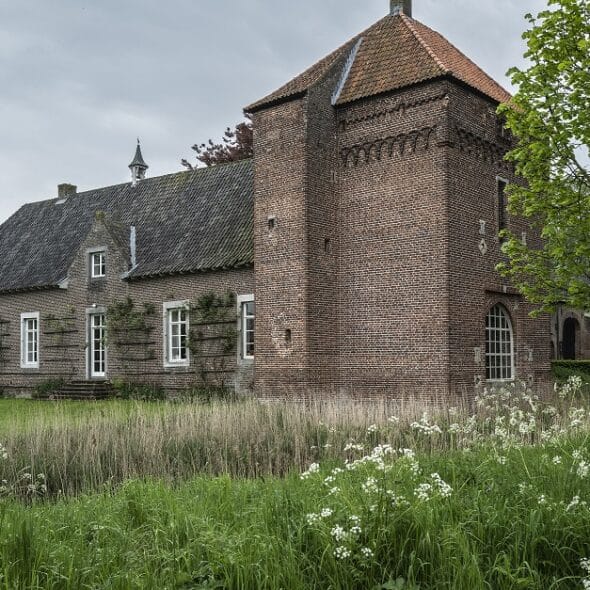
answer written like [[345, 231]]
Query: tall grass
[[331, 496], [80, 448], [492, 531]]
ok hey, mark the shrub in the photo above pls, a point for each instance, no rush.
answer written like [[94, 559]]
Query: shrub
[[563, 370], [147, 392], [47, 388]]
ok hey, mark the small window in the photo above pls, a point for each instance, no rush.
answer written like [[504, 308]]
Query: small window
[[98, 265], [247, 310], [30, 340], [176, 330], [272, 223], [499, 345], [502, 213]]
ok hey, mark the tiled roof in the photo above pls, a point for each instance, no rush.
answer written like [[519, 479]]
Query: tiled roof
[[186, 222], [395, 52]]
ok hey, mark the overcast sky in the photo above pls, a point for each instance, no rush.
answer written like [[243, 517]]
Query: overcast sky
[[81, 79]]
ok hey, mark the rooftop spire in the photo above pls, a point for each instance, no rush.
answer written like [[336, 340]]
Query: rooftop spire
[[401, 7], [138, 166]]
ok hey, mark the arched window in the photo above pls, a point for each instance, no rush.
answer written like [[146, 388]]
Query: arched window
[[499, 345]]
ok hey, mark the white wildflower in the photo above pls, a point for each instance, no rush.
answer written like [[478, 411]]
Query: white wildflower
[[372, 429], [573, 504], [583, 469], [351, 446], [556, 460], [326, 512], [370, 486], [341, 553], [366, 553], [422, 492], [312, 469], [444, 489], [312, 518], [338, 533], [425, 427]]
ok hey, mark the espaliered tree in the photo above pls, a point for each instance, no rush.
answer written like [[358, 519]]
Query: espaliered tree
[[235, 145], [550, 118]]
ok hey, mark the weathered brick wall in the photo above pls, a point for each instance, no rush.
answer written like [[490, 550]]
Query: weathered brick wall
[[475, 160], [63, 336], [376, 263], [393, 271]]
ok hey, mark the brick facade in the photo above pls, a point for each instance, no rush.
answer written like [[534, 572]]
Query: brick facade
[[64, 331], [375, 242]]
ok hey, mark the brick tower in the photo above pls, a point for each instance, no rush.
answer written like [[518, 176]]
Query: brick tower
[[379, 179]]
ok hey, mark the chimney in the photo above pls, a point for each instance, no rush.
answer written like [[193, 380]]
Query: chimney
[[401, 7], [66, 190]]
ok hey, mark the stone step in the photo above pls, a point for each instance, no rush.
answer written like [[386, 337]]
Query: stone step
[[83, 390]]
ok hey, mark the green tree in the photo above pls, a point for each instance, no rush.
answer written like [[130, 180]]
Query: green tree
[[550, 118]]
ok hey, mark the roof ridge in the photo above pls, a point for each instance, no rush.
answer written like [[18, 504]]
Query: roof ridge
[[463, 54], [409, 24]]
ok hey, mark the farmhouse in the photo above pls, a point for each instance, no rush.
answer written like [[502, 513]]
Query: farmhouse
[[354, 255]]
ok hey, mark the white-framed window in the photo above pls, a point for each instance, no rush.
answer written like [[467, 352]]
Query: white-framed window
[[247, 315], [98, 264], [29, 338], [176, 334], [499, 345]]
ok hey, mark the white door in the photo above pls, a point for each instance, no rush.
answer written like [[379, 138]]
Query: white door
[[97, 349]]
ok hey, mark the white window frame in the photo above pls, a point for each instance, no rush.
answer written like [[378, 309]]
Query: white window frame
[[168, 308], [242, 300], [25, 318], [102, 264], [500, 357]]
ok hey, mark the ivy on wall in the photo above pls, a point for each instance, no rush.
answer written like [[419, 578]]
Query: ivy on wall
[[129, 330], [213, 337], [60, 338], [4, 334]]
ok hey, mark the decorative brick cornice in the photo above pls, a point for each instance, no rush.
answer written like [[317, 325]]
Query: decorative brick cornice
[[378, 149], [480, 148], [399, 107]]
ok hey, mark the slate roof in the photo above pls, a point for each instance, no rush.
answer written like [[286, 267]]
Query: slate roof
[[185, 222], [395, 52]]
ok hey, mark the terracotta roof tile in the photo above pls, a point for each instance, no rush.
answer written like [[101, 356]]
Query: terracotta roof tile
[[300, 84], [457, 63], [395, 52]]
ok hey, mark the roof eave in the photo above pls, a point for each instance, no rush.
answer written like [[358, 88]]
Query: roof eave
[[446, 76], [262, 105]]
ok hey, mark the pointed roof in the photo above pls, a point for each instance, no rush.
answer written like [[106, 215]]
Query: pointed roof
[[138, 159], [394, 53]]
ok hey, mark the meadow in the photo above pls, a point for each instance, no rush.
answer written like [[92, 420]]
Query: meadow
[[336, 495]]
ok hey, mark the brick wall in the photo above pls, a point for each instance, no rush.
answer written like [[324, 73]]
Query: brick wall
[[376, 262], [63, 336]]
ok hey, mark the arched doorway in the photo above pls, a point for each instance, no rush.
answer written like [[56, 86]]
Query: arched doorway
[[570, 330]]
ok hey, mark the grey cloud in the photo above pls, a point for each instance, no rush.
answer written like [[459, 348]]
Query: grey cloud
[[80, 80]]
